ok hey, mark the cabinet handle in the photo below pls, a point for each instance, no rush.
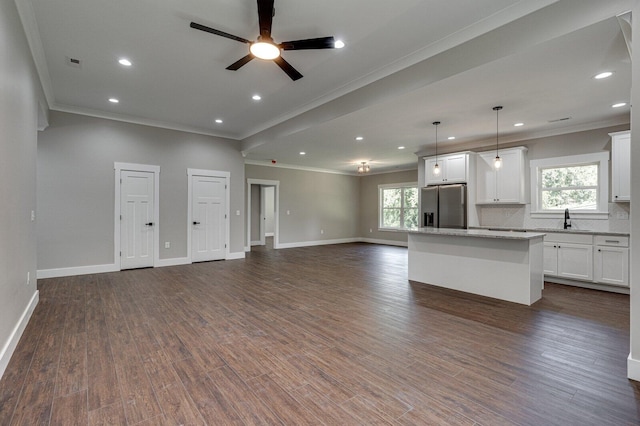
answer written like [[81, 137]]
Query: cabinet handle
[[599, 250], [612, 241], [616, 196]]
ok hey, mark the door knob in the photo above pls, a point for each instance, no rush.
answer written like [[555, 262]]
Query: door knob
[[196, 223], [149, 224]]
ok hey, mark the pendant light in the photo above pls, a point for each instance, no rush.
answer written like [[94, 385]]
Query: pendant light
[[497, 163], [436, 167]]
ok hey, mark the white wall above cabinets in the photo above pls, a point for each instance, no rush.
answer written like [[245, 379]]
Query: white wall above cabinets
[[621, 166], [505, 185], [454, 168]]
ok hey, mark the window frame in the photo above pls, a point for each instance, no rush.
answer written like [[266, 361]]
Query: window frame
[[402, 186], [601, 159]]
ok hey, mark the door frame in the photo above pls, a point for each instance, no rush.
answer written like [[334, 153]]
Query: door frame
[[227, 212], [276, 215], [133, 167]]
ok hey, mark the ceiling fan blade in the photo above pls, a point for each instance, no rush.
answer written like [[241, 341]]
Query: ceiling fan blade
[[286, 67], [265, 17], [218, 32], [240, 62], [310, 43]]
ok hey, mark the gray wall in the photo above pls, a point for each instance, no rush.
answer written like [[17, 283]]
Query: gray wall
[[315, 201], [76, 155], [19, 99], [369, 204]]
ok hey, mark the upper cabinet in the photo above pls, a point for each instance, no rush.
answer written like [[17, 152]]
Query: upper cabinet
[[621, 166], [505, 185], [453, 169]]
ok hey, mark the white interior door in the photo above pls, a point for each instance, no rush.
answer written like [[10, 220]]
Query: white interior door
[[208, 214], [136, 219]]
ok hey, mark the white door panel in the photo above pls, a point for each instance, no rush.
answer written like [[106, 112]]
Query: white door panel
[[136, 225], [208, 232]]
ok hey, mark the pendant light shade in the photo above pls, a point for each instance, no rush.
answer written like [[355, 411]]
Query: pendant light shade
[[436, 167], [497, 163]]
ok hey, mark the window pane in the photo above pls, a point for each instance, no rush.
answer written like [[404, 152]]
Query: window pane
[[411, 218], [570, 176], [411, 198], [391, 197], [391, 218], [573, 199]]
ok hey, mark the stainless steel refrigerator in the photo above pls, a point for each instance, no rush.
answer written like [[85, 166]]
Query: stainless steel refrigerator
[[444, 206]]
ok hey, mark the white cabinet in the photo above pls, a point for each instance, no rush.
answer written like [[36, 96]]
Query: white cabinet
[[621, 166], [611, 260], [453, 169], [505, 185], [575, 261], [568, 256]]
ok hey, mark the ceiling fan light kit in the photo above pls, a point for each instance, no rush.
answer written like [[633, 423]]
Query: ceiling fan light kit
[[265, 48]]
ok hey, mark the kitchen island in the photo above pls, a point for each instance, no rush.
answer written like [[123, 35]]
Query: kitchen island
[[500, 264]]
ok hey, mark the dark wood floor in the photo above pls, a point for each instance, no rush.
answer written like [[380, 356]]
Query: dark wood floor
[[330, 335]]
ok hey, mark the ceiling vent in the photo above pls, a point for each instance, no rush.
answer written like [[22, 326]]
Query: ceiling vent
[[560, 119], [73, 62]]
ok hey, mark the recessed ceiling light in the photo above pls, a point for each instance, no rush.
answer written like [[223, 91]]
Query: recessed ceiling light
[[359, 138], [603, 75], [451, 138], [339, 44], [618, 105], [303, 153], [125, 62], [518, 125], [401, 147], [113, 100], [256, 97], [219, 120]]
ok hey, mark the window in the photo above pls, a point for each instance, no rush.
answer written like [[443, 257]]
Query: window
[[578, 183], [398, 206]]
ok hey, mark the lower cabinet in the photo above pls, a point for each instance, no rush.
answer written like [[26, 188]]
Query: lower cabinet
[[600, 259], [611, 261]]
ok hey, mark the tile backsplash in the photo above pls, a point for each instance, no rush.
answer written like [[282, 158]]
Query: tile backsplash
[[518, 216]]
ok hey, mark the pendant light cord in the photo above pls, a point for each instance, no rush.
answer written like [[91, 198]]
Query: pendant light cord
[[497, 110]]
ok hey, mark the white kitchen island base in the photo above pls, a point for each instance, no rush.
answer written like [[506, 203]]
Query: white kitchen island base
[[498, 264]]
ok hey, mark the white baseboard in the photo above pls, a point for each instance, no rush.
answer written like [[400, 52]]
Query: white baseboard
[[76, 270], [318, 243], [11, 343], [633, 368], [385, 242], [235, 255], [585, 284], [247, 249], [174, 261]]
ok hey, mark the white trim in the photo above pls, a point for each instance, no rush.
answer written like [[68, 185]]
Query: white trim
[[633, 368], [602, 158], [77, 270], [12, 342], [247, 249], [256, 243], [235, 255], [268, 234], [294, 167], [174, 261], [208, 173], [320, 242], [403, 185], [118, 168], [384, 242], [276, 213], [588, 284]]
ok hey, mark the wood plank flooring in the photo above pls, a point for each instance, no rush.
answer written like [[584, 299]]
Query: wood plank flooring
[[331, 335]]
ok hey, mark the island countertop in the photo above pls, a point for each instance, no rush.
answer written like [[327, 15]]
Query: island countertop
[[479, 233]]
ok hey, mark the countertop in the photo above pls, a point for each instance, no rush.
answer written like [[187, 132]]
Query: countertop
[[479, 233], [547, 230]]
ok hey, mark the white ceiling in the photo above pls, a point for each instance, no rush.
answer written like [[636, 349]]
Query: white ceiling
[[406, 63]]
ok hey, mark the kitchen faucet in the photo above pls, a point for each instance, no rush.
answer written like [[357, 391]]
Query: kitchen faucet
[[567, 219]]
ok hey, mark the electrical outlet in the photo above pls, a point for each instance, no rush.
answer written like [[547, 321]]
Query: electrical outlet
[[167, 244], [370, 230], [288, 212], [33, 215], [322, 231], [237, 212], [28, 277]]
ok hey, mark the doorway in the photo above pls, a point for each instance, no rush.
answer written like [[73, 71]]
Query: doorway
[[262, 213], [136, 226], [208, 215]]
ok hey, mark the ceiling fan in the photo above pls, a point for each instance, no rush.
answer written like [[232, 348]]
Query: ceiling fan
[[265, 48]]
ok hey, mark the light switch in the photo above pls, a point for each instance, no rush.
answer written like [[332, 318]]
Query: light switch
[[288, 212], [33, 215]]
